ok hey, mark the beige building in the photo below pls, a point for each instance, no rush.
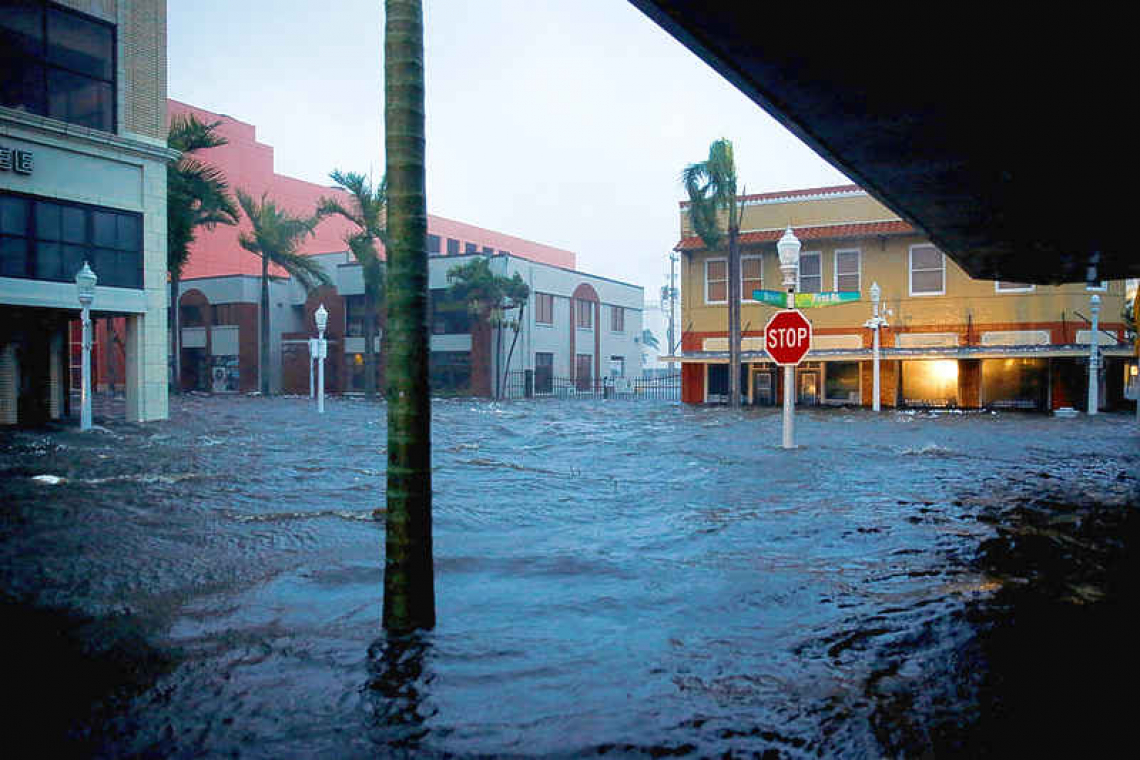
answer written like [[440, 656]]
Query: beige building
[[82, 178], [952, 341]]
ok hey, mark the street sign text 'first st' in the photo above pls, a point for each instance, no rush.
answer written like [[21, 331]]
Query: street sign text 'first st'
[[787, 337]]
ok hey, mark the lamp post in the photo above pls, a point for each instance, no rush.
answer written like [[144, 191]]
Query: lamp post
[[322, 317], [313, 352], [1093, 362], [85, 281], [788, 249], [875, 322]]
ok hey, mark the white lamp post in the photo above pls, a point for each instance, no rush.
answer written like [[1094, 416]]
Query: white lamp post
[[314, 351], [875, 322], [1093, 376], [789, 250], [85, 281], [322, 317]]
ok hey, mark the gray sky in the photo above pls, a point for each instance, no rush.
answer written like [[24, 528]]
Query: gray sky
[[566, 122]]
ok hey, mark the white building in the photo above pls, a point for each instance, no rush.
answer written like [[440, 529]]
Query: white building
[[82, 178]]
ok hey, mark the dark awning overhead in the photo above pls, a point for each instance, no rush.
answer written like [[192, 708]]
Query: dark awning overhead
[[1001, 134]]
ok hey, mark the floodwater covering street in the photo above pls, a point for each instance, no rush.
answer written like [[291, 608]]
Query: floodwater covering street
[[618, 578]]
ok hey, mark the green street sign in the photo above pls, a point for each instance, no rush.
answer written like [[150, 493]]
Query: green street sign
[[771, 297], [832, 298], [805, 300]]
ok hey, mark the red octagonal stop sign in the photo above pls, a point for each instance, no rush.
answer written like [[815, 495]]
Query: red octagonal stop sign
[[787, 337]]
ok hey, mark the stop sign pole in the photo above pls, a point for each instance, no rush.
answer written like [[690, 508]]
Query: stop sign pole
[[788, 249]]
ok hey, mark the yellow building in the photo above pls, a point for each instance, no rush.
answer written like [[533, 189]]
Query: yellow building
[[951, 341]]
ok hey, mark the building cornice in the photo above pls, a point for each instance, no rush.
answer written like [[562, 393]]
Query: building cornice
[[136, 145]]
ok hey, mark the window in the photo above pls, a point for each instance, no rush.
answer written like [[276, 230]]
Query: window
[[617, 366], [504, 253], [450, 371], [617, 319], [847, 270], [1102, 286], [488, 250], [544, 308], [716, 281], [354, 316], [842, 383], [750, 279], [811, 272], [927, 271], [190, 315], [452, 247], [448, 316], [584, 311], [433, 242], [470, 248], [45, 240], [1001, 286], [543, 372], [57, 63]]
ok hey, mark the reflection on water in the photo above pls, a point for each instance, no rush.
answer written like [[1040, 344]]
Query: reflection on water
[[612, 578]]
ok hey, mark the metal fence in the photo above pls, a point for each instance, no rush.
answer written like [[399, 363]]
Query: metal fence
[[530, 384]]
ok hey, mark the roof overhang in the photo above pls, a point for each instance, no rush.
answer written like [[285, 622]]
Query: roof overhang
[[1001, 136]]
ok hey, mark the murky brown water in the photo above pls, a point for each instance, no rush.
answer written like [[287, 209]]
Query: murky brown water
[[613, 578]]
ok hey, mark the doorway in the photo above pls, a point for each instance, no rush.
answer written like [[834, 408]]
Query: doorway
[[809, 388]]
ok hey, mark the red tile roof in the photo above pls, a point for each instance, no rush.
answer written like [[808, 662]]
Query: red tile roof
[[826, 232], [809, 191]]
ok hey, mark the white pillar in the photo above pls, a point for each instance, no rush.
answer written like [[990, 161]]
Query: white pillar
[[85, 389]]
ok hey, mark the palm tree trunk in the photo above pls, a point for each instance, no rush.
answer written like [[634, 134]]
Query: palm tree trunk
[[409, 588], [733, 318], [175, 333], [263, 366], [369, 347]]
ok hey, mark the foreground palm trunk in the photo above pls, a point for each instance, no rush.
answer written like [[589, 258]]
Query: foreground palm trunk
[[409, 593], [263, 366]]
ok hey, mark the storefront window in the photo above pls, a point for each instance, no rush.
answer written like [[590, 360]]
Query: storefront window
[[930, 383], [842, 383], [1015, 383]]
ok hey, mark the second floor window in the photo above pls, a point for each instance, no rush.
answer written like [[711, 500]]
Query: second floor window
[[1002, 286], [927, 271], [847, 270], [716, 281], [452, 247], [750, 278], [57, 63], [617, 319], [584, 311], [811, 272], [433, 242], [544, 308]]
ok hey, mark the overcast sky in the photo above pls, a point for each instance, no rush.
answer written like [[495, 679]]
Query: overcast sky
[[566, 122]]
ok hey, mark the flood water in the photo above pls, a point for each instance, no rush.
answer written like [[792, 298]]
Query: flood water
[[618, 578]]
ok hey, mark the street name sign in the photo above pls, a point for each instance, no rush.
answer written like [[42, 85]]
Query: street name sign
[[787, 337]]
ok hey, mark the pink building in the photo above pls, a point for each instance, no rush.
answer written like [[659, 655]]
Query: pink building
[[248, 164]]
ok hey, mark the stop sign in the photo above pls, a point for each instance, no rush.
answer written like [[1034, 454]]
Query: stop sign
[[787, 337]]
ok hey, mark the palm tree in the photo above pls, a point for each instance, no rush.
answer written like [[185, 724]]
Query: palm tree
[[711, 186], [276, 236], [367, 212], [488, 296], [409, 586], [197, 195], [649, 339]]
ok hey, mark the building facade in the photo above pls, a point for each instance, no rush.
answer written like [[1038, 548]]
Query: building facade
[[951, 341], [83, 162], [575, 325]]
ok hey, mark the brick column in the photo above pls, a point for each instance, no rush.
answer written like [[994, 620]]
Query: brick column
[[970, 383]]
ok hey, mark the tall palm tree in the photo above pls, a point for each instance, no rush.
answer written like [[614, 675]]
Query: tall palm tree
[[366, 211], [409, 585], [276, 236], [197, 195], [711, 186]]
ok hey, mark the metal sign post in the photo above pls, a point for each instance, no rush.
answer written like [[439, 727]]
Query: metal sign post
[[787, 336]]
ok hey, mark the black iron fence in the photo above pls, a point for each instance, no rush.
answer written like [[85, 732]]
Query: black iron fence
[[531, 384]]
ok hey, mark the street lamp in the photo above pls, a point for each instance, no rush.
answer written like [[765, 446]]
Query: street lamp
[[1094, 382], [788, 249], [322, 317], [875, 322], [85, 281]]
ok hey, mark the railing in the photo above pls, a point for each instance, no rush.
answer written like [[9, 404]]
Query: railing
[[530, 384]]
